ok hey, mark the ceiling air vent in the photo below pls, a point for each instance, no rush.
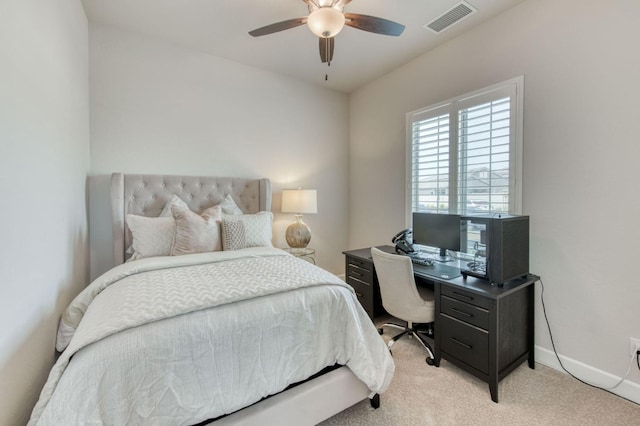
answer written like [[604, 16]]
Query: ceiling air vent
[[456, 14]]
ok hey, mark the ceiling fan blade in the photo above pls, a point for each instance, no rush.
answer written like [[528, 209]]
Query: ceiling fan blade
[[278, 26], [326, 49], [373, 24]]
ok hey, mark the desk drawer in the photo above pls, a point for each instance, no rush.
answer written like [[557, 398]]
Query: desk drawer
[[364, 292], [465, 342], [360, 273], [360, 263], [465, 296], [466, 312]]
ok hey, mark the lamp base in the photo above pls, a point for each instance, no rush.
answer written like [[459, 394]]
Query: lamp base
[[298, 234]]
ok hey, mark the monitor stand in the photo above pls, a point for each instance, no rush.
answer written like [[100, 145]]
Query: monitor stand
[[443, 258]]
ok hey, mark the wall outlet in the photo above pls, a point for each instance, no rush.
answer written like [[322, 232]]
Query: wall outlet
[[634, 345]]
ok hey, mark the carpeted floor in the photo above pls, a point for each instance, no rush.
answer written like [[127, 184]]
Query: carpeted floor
[[423, 395]]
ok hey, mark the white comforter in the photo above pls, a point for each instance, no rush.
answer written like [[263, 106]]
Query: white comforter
[[178, 340]]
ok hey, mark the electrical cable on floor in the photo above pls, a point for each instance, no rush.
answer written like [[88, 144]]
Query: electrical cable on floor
[[637, 355]]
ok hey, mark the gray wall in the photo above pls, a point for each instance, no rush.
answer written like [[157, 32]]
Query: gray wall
[[44, 159], [158, 108], [580, 160]]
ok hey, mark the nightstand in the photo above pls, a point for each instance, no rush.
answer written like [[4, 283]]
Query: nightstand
[[306, 253]]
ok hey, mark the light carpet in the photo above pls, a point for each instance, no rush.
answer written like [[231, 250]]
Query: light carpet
[[424, 395]]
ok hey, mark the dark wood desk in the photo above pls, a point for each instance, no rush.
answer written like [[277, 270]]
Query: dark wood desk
[[484, 329]]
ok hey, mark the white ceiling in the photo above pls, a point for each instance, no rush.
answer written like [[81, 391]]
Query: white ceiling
[[220, 27]]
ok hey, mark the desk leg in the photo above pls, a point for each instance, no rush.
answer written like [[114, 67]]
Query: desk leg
[[531, 292], [493, 388], [436, 326], [495, 310]]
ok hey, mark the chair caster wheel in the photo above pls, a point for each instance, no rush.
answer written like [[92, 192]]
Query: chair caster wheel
[[431, 361], [380, 331]]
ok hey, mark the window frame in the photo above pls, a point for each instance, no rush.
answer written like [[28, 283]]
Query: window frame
[[513, 87]]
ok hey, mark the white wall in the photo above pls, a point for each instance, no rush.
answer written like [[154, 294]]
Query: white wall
[[581, 145], [158, 108], [44, 160]]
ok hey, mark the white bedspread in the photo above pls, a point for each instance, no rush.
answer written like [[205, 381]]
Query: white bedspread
[[178, 340]]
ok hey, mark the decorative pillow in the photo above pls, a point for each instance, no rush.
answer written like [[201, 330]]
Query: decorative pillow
[[196, 233], [152, 236], [233, 233], [147, 234], [249, 230], [174, 201], [229, 206]]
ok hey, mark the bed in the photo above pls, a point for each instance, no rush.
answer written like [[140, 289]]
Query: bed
[[246, 336]]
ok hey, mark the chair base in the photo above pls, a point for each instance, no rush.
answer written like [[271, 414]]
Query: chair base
[[411, 330]]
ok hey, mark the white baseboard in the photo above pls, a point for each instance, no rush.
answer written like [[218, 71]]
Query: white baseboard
[[627, 389], [343, 277]]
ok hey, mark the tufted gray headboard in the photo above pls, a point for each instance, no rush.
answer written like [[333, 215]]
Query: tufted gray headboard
[[146, 195]]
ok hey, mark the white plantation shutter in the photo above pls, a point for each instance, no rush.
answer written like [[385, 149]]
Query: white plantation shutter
[[465, 154], [431, 161]]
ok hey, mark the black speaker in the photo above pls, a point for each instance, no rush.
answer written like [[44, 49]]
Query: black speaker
[[507, 247]]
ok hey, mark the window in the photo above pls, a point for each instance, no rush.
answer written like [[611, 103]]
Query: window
[[464, 155]]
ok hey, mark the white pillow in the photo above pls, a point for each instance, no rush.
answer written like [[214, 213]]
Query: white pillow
[[174, 201], [149, 238], [229, 206], [249, 230], [196, 233], [152, 236]]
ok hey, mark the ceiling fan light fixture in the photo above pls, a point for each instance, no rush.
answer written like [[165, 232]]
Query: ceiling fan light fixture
[[326, 22]]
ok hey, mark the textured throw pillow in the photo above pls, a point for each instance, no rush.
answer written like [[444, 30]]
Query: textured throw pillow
[[249, 230], [152, 236], [233, 234], [196, 233], [229, 206], [258, 229]]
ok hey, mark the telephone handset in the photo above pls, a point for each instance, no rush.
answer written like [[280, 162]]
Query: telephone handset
[[404, 241]]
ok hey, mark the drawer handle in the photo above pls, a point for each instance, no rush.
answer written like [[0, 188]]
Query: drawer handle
[[358, 294], [466, 314], [461, 344], [356, 273], [464, 296]]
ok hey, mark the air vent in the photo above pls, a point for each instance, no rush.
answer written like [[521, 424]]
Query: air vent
[[452, 16]]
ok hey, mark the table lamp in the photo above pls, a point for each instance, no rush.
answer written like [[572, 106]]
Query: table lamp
[[299, 201]]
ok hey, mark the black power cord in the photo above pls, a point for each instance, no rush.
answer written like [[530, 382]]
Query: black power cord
[[553, 345]]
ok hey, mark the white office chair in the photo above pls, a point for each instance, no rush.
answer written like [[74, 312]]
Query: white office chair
[[402, 298]]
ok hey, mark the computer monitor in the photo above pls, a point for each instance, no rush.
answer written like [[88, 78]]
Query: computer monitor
[[437, 230]]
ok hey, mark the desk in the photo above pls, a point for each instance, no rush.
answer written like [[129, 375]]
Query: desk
[[484, 329]]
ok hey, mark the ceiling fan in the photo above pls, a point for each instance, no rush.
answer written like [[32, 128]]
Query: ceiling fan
[[326, 19]]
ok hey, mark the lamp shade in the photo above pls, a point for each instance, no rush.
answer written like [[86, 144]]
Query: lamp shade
[[325, 22], [299, 201]]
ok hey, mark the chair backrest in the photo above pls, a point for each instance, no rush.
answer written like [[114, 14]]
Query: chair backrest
[[398, 290]]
